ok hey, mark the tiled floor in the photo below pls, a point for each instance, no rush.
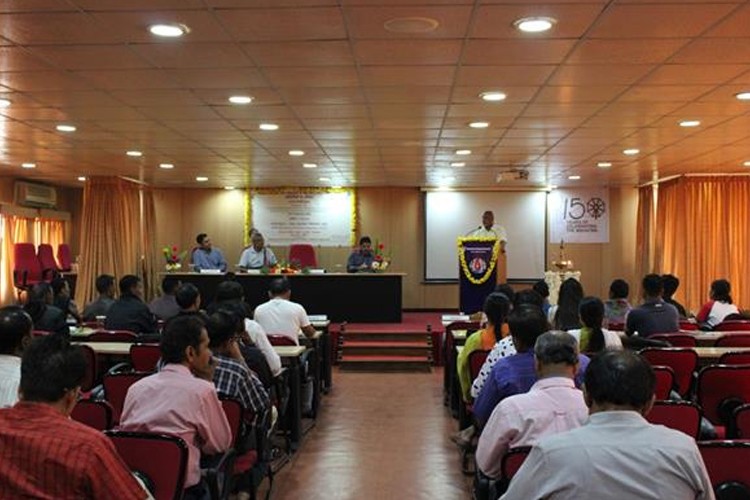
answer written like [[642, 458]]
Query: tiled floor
[[378, 436]]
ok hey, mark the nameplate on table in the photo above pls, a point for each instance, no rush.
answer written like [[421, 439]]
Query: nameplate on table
[[211, 271], [450, 318], [317, 318]]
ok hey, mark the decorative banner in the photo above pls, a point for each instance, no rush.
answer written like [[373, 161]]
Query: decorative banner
[[324, 217], [477, 271], [579, 215]]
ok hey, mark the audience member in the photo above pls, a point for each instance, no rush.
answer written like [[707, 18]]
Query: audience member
[[45, 454], [617, 307], [617, 454], [165, 307], [181, 398], [719, 307], [105, 287], [62, 299], [206, 256], [15, 336], [552, 405], [45, 316], [188, 298], [671, 284], [129, 312], [592, 337], [361, 259], [654, 315], [564, 315], [281, 316], [528, 296], [542, 288], [516, 374], [506, 290], [257, 255]]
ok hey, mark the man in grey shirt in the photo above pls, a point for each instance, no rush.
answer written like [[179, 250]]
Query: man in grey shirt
[[654, 315], [105, 286], [617, 454]]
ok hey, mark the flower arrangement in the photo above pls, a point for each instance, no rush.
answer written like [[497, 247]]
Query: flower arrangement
[[382, 258], [284, 267], [173, 258]]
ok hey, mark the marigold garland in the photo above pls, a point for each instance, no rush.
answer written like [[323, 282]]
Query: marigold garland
[[465, 266]]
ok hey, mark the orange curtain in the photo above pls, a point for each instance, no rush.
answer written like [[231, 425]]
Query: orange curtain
[[50, 231], [151, 259], [15, 230], [645, 231], [702, 235]]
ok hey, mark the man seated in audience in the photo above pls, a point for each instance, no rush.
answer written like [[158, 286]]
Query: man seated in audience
[[617, 307], [15, 336], [105, 287], [281, 316], [62, 300], [257, 255], [671, 284], [165, 307], [46, 317], [181, 398], [552, 405], [654, 315], [542, 288], [129, 312], [45, 454], [617, 454], [188, 299], [516, 374], [206, 256]]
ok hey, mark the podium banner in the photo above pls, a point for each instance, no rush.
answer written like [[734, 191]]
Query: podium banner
[[477, 271]]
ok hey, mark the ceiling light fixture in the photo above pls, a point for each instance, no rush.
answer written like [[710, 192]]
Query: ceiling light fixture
[[166, 166], [65, 128], [493, 96], [552, 186], [479, 124], [240, 99], [743, 96], [268, 126], [463, 152], [574, 177], [324, 179], [336, 187], [534, 24], [134, 154], [296, 152], [604, 164], [28, 165], [310, 165], [746, 164], [689, 123], [631, 151], [4, 103], [229, 188], [411, 24], [201, 178], [458, 164], [82, 179], [168, 30]]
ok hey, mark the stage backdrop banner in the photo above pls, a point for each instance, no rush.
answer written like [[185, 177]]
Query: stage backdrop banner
[[579, 215], [318, 217]]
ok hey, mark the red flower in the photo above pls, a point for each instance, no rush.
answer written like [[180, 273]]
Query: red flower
[[174, 257], [381, 246], [174, 249]]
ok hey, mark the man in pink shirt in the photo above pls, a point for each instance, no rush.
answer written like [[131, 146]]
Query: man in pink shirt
[[552, 405], [181, 399]]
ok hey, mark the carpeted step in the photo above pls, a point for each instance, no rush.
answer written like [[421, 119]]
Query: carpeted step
[[385, 336], [375, 363], [387, 348]]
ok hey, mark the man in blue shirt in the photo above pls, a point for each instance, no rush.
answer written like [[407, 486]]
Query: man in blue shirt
[[207, 257], [361, 259], [516, 374]]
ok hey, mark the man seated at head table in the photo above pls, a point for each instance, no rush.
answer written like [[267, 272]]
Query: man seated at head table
[[281, 316], [43, 452], [257, 255], [129, 312], [181, 399], [105, 287], [360, 260], [206, 256], [617, 454]]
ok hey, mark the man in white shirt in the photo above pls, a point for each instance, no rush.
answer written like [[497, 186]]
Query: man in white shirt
[[257, 255], [486, 230], [617, 454], [281, 316], [15, 335]]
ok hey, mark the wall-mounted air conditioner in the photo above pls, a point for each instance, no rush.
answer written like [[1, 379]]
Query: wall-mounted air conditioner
[[35, 195]]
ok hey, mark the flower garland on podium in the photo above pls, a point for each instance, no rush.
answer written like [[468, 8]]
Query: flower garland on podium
[[465, 266]]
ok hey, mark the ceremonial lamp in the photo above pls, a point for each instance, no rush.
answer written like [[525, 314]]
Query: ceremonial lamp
[[562, 263]]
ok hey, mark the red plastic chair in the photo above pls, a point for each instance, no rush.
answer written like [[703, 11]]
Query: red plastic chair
[[675, 339], [112, 336], [664, 382], [512, 461], [89, 380], [688, 326], [161, 458], [27, 271], [735, 358], [616, 327], [303, 254], [733, 340], [116, 387], [64, 258], [683, 416], [40, 333], [726, 463], [95, 414], [47, 259], [721, 388], [741, 423], [276, 339], [682, 361], [476, 360], [733, 326], [145, 357]]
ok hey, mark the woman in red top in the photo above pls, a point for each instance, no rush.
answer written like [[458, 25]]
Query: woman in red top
[[719, 307]]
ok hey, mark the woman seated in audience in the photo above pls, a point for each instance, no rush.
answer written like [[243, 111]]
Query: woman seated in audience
[[617, 307], [719, 307], [592, 338], [62, 299], [564, 315]]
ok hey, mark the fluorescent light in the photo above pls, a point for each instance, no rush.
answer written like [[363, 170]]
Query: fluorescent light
[[746, 164], [310, 165], [296, 152], [4, 103], [166, 166], [229, 188], [479, 124], [604, 164], [690, 123], [631, 151], [335, 187], [324, 179], [134, 154], [458, 164], [534, 24], [200, 178], [552, 186], [268, 126], [168, 30], [28, 165], [574, 177], [241, 99], [65, 128], [493, 96], [82, 179], [463, 152], [743, 96]]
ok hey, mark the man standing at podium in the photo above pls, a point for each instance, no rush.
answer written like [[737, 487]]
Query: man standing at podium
[[486, 230]]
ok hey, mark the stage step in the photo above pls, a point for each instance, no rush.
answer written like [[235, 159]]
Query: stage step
[[386, 348], [385, 336], [374, 363]]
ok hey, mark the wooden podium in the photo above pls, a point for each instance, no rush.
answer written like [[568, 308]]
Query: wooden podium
[[481, 266]]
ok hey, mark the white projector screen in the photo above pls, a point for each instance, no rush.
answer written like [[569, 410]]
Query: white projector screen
[[450, 214]]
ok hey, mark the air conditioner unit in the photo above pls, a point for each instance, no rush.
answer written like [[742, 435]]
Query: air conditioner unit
[[35, 195]]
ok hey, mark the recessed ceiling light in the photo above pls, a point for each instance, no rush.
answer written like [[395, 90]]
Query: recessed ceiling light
[[458, 164], [166, 166], [65, 128], [201, 179], [552, 186], [28, 165], [268, 126], [574, 177], [134, 154], [746, 164], [411, 25], [324, 179], [168, 30], [604, 164], [743, 96], [296, 152], [449, 179], [241, 99], [479, 124], [4, 103], [463, 152], [493, 96], [229, 188], [336, 187], [534, 24], [310, 165], [690, 123], [631, 151], [82, 179]]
